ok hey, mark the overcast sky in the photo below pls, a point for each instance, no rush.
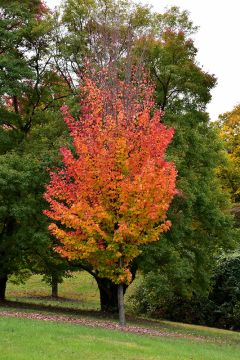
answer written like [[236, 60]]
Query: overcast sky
[[218, 42]]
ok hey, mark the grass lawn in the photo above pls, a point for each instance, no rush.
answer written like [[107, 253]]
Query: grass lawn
[[25, 339], [78, 292]]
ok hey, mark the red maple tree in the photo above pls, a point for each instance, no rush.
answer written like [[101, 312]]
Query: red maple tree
[[113, 191]]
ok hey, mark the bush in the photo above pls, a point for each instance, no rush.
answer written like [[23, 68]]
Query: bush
[[157, 296], [154, 295], [225, 292], [151, 294], [197, 310], [226, 280], [236, 316]]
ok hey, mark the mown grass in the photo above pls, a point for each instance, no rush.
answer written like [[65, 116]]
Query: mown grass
[[25, 339], [79, 295], [220, 336], [78, 292]]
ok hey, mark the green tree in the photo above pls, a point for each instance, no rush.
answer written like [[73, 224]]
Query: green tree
[[100, 31], [30, 88], [202, 224], [170, 55], [229, 131]]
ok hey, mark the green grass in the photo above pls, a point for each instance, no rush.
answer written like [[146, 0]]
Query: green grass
[[78, 292], [191, 331], [24, 339]]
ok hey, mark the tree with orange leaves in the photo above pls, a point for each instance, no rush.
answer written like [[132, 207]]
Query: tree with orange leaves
[[114, 189]]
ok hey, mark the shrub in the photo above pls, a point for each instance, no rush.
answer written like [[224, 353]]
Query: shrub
[[157, 296]]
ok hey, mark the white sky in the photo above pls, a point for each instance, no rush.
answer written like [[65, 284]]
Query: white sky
[[218, 42]]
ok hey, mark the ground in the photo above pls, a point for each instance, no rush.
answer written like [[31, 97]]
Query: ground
[[34, 326]]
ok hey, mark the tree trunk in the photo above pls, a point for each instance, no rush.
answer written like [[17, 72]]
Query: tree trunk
[[3, 284], [108, 295], [108, 290], [54, 288], [121, 310]]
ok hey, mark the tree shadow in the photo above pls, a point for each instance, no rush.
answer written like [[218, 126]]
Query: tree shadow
[[21, 305]]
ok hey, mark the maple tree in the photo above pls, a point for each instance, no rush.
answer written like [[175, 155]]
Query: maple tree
[[113, 191]]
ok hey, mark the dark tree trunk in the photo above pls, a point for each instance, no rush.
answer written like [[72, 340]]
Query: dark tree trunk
[[54, 288], [108, 295], [109, 291], [3, 284], [121, 311]]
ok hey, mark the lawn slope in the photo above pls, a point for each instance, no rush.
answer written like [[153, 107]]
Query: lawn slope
[[27, 339]]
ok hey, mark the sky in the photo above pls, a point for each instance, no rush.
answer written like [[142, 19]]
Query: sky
[[218, 44]]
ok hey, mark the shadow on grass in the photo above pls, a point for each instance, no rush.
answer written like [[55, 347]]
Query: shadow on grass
[[21, 305], [88, 313], [63, 310]]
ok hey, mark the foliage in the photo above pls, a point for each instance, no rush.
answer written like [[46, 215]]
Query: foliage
[[202, 224], [29, 129], [119, 33], [17, 205], [20, 277], [112, 194], [158, 296], [229, 129], [170, 55], [225, 291], [151, 293], [24, 64], [236, 315], [226, 286], [102, 31]]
